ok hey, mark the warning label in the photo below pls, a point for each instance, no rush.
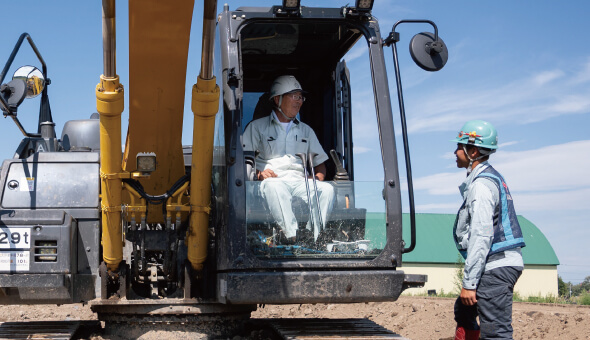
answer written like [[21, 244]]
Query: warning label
[[15, 260]]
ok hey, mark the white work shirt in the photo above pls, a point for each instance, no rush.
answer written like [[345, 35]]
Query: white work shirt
[[475, 228], [278, 148]]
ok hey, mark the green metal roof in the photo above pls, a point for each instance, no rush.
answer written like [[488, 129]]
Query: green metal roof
[[434, 241]]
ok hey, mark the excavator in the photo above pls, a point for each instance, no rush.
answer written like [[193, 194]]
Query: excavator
[[162, 232]]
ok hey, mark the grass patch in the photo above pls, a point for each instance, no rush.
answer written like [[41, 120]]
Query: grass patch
[[549, 298], [584, 299]]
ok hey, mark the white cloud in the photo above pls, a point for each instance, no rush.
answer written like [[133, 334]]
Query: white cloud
[[551, 168], [503, 145], [572, 104], [553, 177], [545, 77], [584, 75], [448, 155], [534, 98], [360, 149], [546, 201], [437, 207], [445, 183], [357, 51]]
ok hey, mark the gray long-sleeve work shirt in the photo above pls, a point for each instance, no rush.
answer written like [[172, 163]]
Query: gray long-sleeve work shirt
[[475, 228]]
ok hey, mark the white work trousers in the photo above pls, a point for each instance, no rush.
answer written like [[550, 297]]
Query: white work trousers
[[278, 193]]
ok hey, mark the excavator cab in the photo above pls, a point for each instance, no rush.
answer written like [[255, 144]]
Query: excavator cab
[[354, 253]]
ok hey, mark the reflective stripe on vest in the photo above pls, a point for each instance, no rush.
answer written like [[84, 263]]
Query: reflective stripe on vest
[[507, 232]]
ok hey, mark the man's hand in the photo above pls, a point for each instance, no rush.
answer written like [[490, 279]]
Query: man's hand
[[320, 172], [268, 173], [468, 297]]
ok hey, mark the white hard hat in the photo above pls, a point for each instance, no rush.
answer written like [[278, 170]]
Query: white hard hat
[[284, 84]]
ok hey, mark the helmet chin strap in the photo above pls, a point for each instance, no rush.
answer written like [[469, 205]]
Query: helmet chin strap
[[281, 111], [471, 160]]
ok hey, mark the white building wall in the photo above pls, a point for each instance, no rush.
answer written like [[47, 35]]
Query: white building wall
[[535, 280], [538, 280]]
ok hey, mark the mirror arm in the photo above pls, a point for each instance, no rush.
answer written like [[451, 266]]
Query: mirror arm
[[15, 51], [436, 47], [22, 129], [394, 36], [402, 112], [44, 67], [5, 107], [12, 55]]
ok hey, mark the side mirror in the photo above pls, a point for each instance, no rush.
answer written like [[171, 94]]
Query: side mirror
[[13, 95], [428, 54], [33, 78], [27, 82]]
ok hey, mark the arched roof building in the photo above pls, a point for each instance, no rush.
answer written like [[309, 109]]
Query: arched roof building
[[436, 255]]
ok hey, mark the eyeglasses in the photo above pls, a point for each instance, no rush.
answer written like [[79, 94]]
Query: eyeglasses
[[297, 97]]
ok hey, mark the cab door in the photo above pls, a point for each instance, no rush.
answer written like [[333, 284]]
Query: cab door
[[356, 255]]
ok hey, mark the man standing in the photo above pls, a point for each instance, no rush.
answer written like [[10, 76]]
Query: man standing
[[278, 139], [488, 236]]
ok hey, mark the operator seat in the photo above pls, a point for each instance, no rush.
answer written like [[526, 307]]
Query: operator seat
[[263, 107]]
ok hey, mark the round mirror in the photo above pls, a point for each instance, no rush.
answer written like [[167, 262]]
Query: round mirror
[[34, 79], [427, 53]]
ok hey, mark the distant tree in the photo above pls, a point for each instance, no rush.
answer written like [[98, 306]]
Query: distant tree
[[562, 287], [581, 287], [577, 290]]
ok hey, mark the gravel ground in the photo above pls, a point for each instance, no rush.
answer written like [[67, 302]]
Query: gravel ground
[[412, 317]]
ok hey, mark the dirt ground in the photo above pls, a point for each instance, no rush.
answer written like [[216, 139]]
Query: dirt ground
[[415, 318]]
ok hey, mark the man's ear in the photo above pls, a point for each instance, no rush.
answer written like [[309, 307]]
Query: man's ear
[[276, 100], [474, 152]]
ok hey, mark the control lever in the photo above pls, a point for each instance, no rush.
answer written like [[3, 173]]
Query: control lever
[[309, 204], [310, 158], [341, 174]]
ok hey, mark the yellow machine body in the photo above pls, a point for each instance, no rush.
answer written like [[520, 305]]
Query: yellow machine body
[[159, 34]]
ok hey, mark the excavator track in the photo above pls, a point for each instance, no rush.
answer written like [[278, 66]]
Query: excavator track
[[61, 330], [288, 329], [303, 329]]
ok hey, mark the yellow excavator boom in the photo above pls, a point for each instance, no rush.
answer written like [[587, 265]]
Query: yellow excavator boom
[[159, 36]]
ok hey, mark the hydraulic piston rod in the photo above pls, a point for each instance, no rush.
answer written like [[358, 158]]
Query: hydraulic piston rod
[[205, 104], [110, 105]]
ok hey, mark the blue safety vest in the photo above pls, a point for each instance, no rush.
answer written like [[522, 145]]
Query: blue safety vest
[[507, 232]]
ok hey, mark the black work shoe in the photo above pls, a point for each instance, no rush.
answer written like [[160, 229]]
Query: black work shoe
[[289, 240], [304, 237]]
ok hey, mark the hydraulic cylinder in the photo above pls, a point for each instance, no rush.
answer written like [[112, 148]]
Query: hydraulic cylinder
[[205, 104], [110, 105]]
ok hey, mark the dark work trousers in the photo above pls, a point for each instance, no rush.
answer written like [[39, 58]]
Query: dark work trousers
[[494, 304]]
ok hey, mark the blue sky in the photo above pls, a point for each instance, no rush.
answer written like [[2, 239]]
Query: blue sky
[[524, 66]]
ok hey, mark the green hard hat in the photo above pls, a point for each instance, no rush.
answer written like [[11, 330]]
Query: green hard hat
[[479, 133]]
